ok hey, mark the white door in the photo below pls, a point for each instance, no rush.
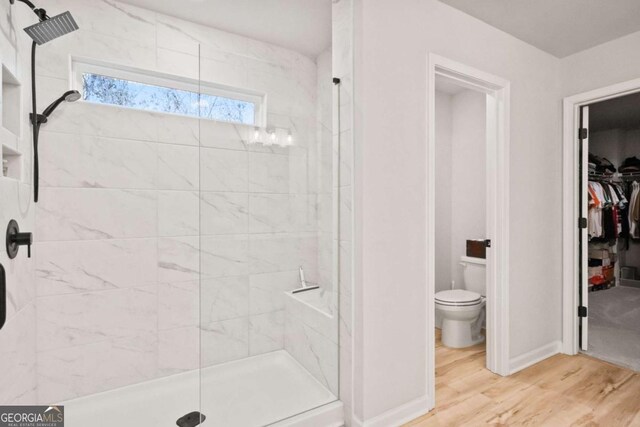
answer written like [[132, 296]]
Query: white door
[[582, 309]]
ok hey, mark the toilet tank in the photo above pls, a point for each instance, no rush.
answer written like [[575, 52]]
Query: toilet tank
[[474, 272]]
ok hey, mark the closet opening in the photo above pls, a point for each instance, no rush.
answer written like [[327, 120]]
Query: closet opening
[[467, 225], [609, 258]]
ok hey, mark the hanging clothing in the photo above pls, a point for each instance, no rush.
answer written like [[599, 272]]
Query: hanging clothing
[[634, 211], [606, 204]]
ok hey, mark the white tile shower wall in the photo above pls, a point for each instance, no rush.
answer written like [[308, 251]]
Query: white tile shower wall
[[120, 231], [326, 150], [18, 336], [343, 68], [311, 337]]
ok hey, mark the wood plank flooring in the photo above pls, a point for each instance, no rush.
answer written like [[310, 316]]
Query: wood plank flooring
[[560, 391]]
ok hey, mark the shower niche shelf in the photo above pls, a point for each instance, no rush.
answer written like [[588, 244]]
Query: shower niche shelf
[[11, 106], [11, 163], [10, 125]]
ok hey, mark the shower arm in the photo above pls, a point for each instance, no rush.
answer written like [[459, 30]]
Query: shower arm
[[41, 13]]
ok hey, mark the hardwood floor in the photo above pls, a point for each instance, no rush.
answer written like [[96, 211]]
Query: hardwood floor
[[560, 391]]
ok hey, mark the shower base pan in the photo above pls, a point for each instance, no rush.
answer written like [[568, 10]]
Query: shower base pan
[[270, 389]]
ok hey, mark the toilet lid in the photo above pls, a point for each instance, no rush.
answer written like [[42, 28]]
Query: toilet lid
[[458, 297]]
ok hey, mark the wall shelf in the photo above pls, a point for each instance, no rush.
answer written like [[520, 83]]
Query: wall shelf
[[11, 103], [10, 125], [12, 161]]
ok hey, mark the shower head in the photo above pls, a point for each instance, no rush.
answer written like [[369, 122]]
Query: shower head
[[72, 96], [69, 96], [44, 31], [51, 28], [48, 28]]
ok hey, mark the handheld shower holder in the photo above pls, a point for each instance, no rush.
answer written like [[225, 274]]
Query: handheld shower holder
[[40, 119]]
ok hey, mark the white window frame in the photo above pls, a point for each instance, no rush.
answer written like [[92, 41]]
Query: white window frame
[[80, 66]]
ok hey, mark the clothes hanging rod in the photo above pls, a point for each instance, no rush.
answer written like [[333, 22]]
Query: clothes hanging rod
[[617, 175]]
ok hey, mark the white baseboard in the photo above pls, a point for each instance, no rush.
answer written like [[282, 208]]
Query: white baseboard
[[534, 356], [397, 416]]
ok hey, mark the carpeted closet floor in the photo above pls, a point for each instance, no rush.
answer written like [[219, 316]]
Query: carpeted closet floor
[[614, 326]]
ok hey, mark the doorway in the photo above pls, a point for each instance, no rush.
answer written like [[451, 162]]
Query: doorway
[[605, 291], [495, 92]]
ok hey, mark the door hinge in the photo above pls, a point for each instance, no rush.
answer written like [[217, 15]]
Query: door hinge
[[582, 222], [487, 243], [582, 311], [583, 133]]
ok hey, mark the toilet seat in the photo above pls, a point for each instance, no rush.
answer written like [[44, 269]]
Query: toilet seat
[[458, 298]]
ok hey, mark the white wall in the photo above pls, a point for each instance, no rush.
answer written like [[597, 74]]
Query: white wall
[[444, 174], [609, 63], [468, 175], [392, 43], [460, 180], [615, 144], [609, 144]]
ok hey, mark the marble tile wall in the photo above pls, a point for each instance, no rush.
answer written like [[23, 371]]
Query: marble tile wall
[[321, 339], [18, 335], [326, 171], [343, 67], [161, 238], [311, 333]]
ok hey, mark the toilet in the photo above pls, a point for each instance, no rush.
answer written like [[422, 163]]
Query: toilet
[[462, 310]]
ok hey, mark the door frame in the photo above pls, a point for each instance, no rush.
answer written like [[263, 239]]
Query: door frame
[[498, 139], [571, 206]]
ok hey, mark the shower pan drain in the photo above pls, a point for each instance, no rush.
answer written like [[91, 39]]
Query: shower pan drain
[[192, 419]]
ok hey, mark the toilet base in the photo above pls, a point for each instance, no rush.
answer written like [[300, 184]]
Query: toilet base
[[458, 334]]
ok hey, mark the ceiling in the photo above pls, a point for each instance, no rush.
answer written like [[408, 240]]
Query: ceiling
[[300, 25], [617, 113], [560, 27]]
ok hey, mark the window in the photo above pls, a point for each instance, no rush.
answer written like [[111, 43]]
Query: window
[[153, 92]]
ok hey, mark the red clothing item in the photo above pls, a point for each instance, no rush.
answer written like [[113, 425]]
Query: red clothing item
[[594, 201]]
